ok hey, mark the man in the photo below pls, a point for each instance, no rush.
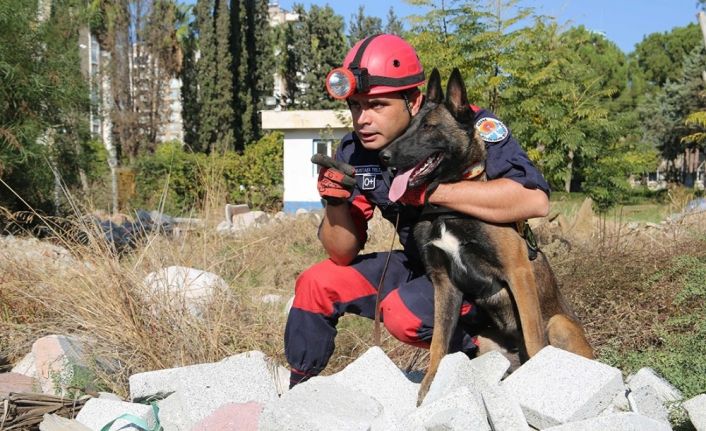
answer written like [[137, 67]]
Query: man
[[380, 80]]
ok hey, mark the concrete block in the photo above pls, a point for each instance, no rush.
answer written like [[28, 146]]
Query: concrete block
[[555, 387], [645, 401], [491, 366], [503, 411], [26, 366], [323, 404], [375, 375], [232, 417], [53, 422], [96, 413], [198, 392], [696, 407], [183, 288], [619, 421], [666, 392], [455, 371], [456, 410], [57, 358], [15, 382]]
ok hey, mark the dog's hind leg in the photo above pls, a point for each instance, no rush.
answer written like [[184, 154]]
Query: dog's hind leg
[[565, 333], [447, 303]]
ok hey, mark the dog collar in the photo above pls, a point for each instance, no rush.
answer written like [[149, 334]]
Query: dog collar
[[475, 170]]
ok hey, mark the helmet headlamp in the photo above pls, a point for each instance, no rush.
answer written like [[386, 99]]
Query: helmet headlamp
[[341, 83]]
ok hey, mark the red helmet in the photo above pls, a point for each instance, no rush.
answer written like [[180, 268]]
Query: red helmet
[[378, 64]]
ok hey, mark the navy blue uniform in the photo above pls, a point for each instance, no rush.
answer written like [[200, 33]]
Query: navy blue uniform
[[326, 291]]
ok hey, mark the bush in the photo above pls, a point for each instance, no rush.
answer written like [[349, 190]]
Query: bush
[[184, 179]]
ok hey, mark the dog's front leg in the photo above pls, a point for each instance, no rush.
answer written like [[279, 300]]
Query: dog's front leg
[[447, 305]]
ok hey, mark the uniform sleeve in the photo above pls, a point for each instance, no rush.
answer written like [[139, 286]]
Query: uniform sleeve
[[361, 208], [506, 159]]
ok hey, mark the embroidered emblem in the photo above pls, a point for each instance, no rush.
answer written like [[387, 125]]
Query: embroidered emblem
[[368, 182], [491, 130]]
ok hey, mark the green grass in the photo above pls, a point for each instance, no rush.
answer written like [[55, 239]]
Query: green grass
[[640, 208]]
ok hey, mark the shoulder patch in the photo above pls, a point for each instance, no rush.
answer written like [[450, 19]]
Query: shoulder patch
[[491, 130]]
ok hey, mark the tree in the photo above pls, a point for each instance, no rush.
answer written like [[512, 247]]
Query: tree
[[393, 25], [312, 46], [660, 55], [362, 26], [41, 89]]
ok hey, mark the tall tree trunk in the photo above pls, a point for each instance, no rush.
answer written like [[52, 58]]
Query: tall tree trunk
[[569, 172]]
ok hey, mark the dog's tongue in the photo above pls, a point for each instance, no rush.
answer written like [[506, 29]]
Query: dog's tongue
[[399, 185]]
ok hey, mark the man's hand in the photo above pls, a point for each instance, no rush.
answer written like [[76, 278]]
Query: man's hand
[[336, 179], [418, 196]]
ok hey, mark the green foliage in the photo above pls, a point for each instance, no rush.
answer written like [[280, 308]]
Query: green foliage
[[181, 179], [43, 100], [660, 55], [362, 26]]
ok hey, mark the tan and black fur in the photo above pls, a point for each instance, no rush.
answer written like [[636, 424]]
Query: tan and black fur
[[465, 257]]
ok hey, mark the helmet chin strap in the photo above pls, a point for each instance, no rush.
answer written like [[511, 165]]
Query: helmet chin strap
[[407, 104]]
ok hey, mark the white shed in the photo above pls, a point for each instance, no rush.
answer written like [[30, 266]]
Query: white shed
[[305, 133]]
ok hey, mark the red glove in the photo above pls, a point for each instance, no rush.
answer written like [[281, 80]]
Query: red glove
[[336, 179], [418, 196]]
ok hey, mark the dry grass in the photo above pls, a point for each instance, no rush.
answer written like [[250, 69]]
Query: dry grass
[[101, 297]]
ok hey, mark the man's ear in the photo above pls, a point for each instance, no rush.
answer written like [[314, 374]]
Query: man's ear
[[434, 92], [456, 98], [415, 102]]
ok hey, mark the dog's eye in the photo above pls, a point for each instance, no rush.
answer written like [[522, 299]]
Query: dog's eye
[[428, 126]]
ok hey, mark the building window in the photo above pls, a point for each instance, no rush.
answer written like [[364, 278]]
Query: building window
[[321, 146]]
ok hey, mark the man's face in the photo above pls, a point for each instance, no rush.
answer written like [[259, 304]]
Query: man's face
[[379, 119]]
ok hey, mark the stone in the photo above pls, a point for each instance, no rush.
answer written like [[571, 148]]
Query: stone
[[271, 299], [666, 392], [455, 371], [491, 366], [233, 210], [53, 422], [97, 413], [184, 288], [323, 404], [198, 391], [249, 220], [582, 227], [15, 382], [456, 410], [618, 421], [375, 375], [696, 408], [645, 401], [503, 411], [555, 387], [232, 417], [57, 360]]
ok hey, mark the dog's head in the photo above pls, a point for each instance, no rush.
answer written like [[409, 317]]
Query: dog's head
[[440, 143]]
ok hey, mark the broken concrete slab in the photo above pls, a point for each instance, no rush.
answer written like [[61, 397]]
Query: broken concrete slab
[[503, 411], [183, 288], [199, 391], [556, 387], [232, 417], [54, 361], [375, 375], [645, 401], [619, 421], [323, 404], [696, 408], [456, 410], [97, 413], [455, 371], [666, 392], [491, 366], [52, 422], [16, 382]]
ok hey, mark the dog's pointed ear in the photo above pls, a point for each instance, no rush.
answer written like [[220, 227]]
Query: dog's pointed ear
[[456, 97], [434, 92]]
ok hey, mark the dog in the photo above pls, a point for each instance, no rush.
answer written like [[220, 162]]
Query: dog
[[466, 257]]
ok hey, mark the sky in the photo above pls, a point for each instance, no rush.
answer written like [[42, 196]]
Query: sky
[[624, 22]]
